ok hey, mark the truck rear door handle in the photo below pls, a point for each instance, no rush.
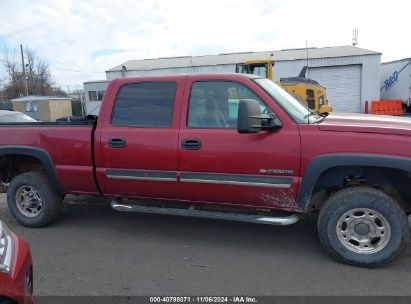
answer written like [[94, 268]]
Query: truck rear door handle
[[191, 144], [116, 142]]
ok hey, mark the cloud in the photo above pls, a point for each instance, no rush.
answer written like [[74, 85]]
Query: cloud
[[105, 52], [82, 39]]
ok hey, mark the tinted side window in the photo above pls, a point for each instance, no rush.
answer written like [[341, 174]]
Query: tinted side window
[[147, 105], [214, 104]]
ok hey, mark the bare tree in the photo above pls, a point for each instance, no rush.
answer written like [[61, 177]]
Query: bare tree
[[2, 82], [39, 81]]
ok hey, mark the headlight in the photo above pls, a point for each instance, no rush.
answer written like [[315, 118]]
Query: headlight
[[6, 248]]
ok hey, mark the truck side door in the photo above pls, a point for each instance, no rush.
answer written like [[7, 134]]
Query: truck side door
[[219, 165], [137, 151]]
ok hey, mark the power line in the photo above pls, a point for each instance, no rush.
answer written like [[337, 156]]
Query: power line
[[68, 70], [78, 71]]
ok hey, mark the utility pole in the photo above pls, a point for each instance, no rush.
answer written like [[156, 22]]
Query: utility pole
[[2, 96], [24, 70], [306, 50], [1, 90]]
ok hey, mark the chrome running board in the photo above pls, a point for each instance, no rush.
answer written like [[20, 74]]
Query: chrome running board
[[191, 212]]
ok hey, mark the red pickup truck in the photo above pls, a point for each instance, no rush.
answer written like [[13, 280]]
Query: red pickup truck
[[226, 146]]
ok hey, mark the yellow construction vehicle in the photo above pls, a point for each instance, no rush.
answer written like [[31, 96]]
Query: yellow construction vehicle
[[308, 90]]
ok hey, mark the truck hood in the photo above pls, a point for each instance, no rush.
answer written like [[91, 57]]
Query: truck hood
[[366, 123]]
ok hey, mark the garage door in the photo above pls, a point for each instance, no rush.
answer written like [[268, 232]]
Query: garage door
[[343, 84]]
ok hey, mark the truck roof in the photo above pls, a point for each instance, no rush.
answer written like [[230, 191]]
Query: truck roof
[[180, 76]]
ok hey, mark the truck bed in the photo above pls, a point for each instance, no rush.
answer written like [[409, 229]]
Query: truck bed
[[74, 170]]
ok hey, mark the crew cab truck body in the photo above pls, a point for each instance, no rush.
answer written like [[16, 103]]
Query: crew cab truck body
[[225, 146]]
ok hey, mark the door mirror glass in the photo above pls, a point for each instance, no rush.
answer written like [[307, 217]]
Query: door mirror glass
[[251, 120], [248, 112]]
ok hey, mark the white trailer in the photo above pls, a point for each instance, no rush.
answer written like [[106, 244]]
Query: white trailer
[[94, 92], [396, 81]]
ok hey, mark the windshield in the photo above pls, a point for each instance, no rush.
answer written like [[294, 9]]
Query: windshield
[[289, 103], [300, 100]]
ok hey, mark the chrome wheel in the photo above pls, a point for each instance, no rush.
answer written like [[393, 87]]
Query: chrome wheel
[[28, 201], [363, 231]]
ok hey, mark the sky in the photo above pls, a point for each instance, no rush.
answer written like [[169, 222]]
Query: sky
[[81, 39]]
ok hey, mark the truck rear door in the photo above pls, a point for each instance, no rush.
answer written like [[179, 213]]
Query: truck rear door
[[219, 165], [136, 154]]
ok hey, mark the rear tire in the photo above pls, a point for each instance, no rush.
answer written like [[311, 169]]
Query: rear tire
[[363, 226], [32, 200]]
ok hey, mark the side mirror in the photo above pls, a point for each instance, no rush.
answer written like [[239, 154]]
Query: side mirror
[[250, 119], [248, 111]]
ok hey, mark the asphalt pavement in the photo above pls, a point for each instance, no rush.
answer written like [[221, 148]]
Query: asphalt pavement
[[94, 250]]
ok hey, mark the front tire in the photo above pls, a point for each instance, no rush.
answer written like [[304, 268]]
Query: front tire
[[363, 226], [32, 200]]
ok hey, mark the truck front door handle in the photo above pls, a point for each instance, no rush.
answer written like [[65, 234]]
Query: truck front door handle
[[191, 144], [116, 142]]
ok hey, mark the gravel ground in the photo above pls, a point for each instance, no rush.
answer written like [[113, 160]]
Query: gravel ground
[[93, 250]]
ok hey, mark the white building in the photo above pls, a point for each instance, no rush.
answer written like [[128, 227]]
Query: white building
[[350, 74], [396, 80]]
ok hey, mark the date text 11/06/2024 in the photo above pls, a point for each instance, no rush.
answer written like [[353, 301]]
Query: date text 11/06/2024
[[203, 299]]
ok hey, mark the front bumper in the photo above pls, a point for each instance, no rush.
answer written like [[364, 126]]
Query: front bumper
[[18, 284]]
